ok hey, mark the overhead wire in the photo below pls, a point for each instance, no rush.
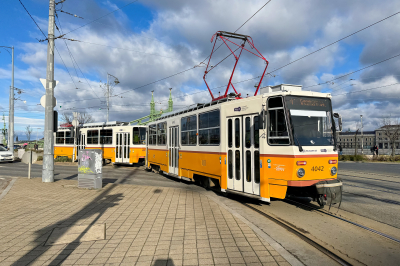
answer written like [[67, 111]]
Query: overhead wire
[[326, 46], [100, 17], [45, 37], [350, 73], [77, 62]]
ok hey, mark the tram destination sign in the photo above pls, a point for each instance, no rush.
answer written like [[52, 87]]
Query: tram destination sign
[[308, 103]]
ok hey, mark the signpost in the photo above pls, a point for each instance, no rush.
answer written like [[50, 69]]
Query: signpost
[[29, 158]]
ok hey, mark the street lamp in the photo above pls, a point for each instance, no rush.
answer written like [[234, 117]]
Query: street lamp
[[362, 137], [116, 81], [37, 131], [11, 112]]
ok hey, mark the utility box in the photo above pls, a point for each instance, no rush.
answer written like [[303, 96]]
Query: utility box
[[90, 164]]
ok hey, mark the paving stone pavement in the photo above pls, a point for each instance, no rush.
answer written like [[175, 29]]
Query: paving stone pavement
[[145, 226]]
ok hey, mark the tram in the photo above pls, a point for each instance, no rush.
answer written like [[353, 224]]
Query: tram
[[277, 143], [120, 142]]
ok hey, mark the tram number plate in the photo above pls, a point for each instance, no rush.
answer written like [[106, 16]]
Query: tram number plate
[[317, 168]]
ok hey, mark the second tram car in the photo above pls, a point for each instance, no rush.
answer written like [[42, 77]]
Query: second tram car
[[279, 142], [120, 142]]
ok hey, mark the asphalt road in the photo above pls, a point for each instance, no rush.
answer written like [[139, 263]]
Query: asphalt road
[[370, 195], [378, 168]]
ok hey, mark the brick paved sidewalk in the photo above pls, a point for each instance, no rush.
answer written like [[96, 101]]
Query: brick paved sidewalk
[[145, 226]]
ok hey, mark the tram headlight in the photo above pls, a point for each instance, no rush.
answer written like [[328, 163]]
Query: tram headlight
[[333, 170], [301, 172]]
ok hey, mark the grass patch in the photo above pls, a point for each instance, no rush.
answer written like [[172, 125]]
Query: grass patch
[[386, 158], [40, 158], [352, 158], [63, 159]]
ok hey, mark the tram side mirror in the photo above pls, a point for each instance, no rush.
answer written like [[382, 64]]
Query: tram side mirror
[[339, 118]]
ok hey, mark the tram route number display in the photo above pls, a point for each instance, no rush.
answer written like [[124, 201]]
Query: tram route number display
[[308, 103], [317, 168]]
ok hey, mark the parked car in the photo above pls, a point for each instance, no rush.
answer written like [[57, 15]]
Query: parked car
[[6, 155]]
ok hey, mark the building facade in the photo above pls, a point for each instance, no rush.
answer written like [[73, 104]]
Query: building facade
[[349, 140]]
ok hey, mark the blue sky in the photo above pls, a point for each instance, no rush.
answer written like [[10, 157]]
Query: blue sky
[[161, 38]]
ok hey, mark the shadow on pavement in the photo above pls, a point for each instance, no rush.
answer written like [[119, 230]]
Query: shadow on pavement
[[97, 206], [167, 262]]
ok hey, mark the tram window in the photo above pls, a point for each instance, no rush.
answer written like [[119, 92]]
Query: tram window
[[192, 138], [248, 166], [106, 136], [209, 133], [60, 137], [256, 133], [237, 133], [230, 133], [92, 137], [184, 138], [275, 102], [230, 165], [139, 135], [189, 130], [277, 129], [247, 137], [152, 135], [69, 137], [162, 133], [237, 165], [257, 167]]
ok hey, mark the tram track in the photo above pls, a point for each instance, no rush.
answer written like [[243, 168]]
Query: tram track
[[317, 209], [302, 234], [331, 252]]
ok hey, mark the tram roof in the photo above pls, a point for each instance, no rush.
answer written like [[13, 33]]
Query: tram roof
[[106, 124], [196, 107]]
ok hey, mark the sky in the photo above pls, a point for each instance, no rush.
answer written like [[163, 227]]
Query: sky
[[143, 42]]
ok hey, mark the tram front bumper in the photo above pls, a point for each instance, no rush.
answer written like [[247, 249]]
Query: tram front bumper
[[330, 189]]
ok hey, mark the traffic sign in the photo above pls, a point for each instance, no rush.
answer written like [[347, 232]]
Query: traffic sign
[[43, 101]]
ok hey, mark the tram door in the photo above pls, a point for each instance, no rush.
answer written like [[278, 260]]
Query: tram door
[[243, 161], [122, 147], [173, 148]]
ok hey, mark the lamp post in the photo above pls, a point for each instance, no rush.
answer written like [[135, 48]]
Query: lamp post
[[11, 112], [116, 81], [362, 137], [37, 131]]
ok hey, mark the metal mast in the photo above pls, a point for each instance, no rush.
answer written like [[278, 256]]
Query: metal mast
[[108, 97], [48, 153], [11, 114]]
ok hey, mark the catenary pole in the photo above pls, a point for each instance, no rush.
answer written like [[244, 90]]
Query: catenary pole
[[108, 96], [48, 149], [11, 118]]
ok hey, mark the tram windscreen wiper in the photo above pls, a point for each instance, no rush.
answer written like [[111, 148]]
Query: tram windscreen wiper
[[298, 142]]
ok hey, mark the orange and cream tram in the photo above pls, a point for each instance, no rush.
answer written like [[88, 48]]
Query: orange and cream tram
[[279, 142], [120, 142]]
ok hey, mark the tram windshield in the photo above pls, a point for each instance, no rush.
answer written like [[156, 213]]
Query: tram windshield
[[311, 120]]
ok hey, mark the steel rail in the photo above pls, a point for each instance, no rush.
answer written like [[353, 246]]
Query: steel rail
[[302, 236], [347, 221]]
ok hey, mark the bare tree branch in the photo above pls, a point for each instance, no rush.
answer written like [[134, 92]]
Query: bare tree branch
[[83, 118], [28, 132]]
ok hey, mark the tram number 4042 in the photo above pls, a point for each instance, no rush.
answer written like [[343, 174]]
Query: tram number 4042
[[317, 168]]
